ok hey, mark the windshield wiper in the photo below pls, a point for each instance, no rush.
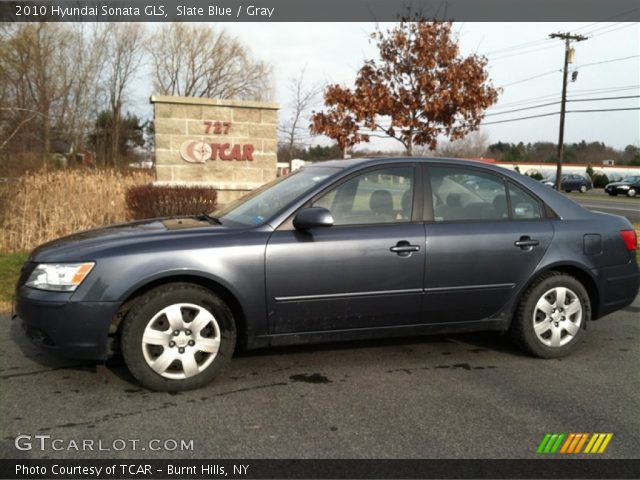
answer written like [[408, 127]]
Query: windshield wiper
[[208, 218]]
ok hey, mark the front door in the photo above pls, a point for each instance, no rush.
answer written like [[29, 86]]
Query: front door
[[365, 271]]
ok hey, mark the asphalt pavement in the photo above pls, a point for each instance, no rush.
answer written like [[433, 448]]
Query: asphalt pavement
[[461, 396]]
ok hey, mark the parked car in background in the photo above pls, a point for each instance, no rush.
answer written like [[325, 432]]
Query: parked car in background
[[570, 182], [340, 250], [629, 186]]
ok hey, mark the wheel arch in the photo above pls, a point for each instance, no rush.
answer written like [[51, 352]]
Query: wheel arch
[[210, 284], [578, 272]]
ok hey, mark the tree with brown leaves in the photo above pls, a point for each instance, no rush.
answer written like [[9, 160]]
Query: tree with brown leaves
[[420, 88]]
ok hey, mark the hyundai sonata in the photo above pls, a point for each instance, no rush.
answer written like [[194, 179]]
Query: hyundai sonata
[[339, 250]]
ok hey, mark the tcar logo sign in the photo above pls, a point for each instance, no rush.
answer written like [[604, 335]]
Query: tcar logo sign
[[199, 151], [195, 151]]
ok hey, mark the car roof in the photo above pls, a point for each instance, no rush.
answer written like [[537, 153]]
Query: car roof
[[359, 162]]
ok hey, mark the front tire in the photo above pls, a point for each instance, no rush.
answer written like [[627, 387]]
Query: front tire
[[177, 337], [551, 315], [632, 192]]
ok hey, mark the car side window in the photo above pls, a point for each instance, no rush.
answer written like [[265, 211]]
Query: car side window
[[377, 196], [523, 205], [466, 194]]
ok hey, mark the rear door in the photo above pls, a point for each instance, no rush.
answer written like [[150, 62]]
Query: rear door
[[482, 244], [365, 271]]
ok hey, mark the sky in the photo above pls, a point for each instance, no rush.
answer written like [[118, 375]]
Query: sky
[[333, 53]]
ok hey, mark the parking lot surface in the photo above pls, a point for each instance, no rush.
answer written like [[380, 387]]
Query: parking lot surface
[[462, 396], [601, 202]]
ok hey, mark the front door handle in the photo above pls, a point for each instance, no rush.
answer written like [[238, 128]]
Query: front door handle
[[404, 248], [526, 243]]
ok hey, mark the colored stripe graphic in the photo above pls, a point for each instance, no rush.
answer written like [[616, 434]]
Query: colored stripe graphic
[[551, 442], [573, 443], [581, 443], [598, 443], [543, 443]]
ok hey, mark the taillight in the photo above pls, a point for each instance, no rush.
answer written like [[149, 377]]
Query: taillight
[[630, 239]]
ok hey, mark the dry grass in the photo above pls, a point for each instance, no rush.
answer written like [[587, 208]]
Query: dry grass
[[46, 205]]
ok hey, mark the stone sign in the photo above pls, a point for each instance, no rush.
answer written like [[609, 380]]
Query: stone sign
[[228, 144]]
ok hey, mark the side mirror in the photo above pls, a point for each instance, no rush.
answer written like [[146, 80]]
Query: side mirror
[[312, 217]]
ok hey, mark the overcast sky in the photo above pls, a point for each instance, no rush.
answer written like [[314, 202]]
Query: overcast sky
[[333, 52]]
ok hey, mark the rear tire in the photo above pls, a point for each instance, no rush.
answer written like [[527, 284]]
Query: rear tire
[[551, 316], [583, 188], [178, 336]]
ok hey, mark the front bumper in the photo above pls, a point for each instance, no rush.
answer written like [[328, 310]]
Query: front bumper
[[73, 329]]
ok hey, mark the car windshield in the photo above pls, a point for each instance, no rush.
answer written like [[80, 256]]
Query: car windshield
[[268, 200], [632, 179]]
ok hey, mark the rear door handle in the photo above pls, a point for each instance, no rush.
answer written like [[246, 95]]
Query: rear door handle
[[404, 248], [526, 242]]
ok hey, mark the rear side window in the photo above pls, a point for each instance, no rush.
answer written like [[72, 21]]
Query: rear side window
[[466, 194], [523, 205]]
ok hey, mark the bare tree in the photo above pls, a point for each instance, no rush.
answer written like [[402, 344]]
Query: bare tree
[[33, 58], [199, 61], [86, 61], [294, 132], [125, 50], [50, 79], [474, 145]]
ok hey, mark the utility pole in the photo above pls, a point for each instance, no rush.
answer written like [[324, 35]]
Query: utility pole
[[567, 37]]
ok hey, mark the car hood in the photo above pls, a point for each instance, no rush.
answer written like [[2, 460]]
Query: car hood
[[86, 245]]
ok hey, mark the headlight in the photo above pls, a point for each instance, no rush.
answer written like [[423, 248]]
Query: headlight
[[59, 277]]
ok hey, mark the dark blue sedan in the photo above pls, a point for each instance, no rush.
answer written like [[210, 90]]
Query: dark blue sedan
[[339, 250]]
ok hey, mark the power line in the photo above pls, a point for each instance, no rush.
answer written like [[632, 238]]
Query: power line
[[618, 15], [522, 109], [557, 102], [496, 59], [574, 93], [619, 59], [602, 98], [615, 29], [604, 110], [518, 46], [520, 118], [531, 78], [557, 113]]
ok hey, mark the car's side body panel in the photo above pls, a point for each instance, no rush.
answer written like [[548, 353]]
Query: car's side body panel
[[340, 282], [344, 277], [474, 268]]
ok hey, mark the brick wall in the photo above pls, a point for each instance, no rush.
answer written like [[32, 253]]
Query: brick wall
[[187, 123]]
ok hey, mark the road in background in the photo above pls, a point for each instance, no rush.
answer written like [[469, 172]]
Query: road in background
[[462, 396], [598, 201]]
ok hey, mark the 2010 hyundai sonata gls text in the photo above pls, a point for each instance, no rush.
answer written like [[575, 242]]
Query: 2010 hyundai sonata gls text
[[339, 250]]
